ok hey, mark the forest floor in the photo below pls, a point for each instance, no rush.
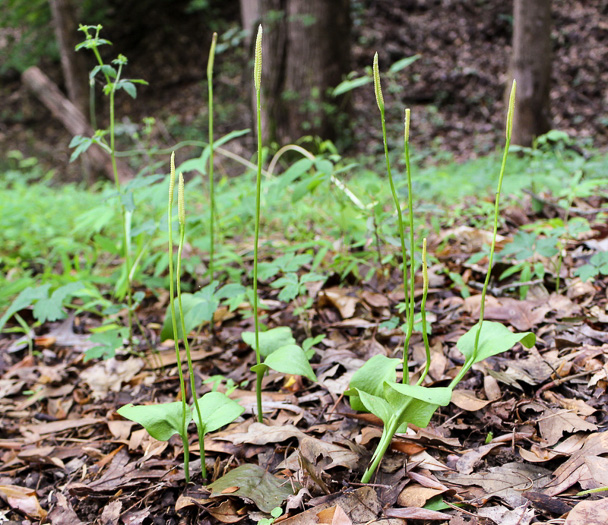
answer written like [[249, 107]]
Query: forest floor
[[525, 433]]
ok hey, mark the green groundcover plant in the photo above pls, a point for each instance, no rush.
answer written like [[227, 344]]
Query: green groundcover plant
[[214, 409], [374, 387]]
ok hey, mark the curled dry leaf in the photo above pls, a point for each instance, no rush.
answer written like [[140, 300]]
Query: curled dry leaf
[[23, 500]]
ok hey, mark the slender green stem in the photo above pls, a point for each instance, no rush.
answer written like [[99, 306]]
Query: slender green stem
[[182, 383], [385, 441], [425, 291], [496, 209], [258, 193], [387, 437], [201, 441], [409, 308], [211, 155], [410, 204]]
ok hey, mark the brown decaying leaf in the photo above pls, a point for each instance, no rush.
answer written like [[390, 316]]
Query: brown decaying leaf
[[504, 516], [22, 499], [334, 516], [588, 513], [361, 506], [338, 298], [467, 462], [467, 400], [506, 482], [576, 469], [63, 513], [416, 514], [415, 495]]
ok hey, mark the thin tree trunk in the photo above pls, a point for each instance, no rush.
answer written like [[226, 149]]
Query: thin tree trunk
[[72, 63], [306, 53], [531, 67]]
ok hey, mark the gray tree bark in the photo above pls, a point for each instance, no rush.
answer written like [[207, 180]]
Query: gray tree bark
[[531, 67], [306, 48], [73, 64]]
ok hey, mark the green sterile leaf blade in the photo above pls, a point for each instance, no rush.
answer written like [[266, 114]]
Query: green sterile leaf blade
[[26, 298], [160, 421], [293, 172], [370, 378], [437, 395], [403, 63], [413, 409], [198, 308], [348, 85], [255, 484], [270, 340], [290, 359], [376, 405], [494, 339], [217, 410]]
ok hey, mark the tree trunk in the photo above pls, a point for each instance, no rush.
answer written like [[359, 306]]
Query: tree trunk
[[306, 52], [73, 119], [250, 17], [531, 67], [72, 63]]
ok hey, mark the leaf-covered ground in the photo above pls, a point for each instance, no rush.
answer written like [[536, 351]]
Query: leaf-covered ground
[[524, 434]]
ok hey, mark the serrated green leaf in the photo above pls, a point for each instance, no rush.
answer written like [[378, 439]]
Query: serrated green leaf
[[494, 339], [290, 359], [161, 421]]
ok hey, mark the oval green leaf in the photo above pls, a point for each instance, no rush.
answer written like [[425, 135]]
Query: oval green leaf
[[161, 421]]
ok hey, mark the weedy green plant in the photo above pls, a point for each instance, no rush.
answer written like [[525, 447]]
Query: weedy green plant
[[211, 411], [114, 82], [374, 387], [276, 346]]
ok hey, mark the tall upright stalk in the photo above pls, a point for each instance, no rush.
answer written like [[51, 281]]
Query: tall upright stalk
[[509, 128], [182, 383], [409, 308], [211, 155], [257, 80], [181, 215]]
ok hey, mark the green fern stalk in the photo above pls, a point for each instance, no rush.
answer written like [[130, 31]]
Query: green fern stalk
[[182, 383], [257, 79], [410, 204], [211, 189], [380, 102], [181, 215], [425, 291], [509, 129]]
